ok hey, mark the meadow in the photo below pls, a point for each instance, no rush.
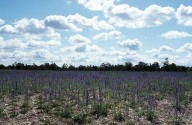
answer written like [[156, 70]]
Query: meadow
[[95, 98]]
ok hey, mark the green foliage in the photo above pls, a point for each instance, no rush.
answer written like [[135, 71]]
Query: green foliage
[[13, 110], [150, 115], [54, 104], [40, 102], [45, 107], [2, 114], [25, 107], [190, 98], [132, 104], [130, 123], [118, 116], [67, 112], [47, 122], [178, 121], [80, 118], [100, 109]]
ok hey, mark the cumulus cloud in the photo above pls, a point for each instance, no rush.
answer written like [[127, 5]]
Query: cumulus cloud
[[42, 44], [155, 55], [33, 26], [187, 47], [161, 49], [12, 44], [166, 48], [4, 55], [80, 43], [7, 29], [74, 22], [81, 48], [87, 48], [78, 39], [184, 15], [134, 44], [124, 15], [107, 36], [131, 17], [21, 56], [44, 55], [94, 48], [175, 35], [93, 23], [1, 21], [96, 5], [29, 27], [60, 22]]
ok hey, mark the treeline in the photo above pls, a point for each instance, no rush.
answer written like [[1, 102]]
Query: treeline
[[127, 66]]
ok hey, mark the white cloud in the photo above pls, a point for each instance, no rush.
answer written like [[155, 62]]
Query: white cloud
[[184, 15], [131, 17], [175, 35], [4, 55], [155, 55], [1, 41], [158, 51], [81, 48], [107, 36], [87, 48], [21, 56], [60, 22], [124, 15], [1, 21], [12, 44], [43, 44], [166, 48], [96, 5], [187, 47], [94, 48], [93, 23], [7, 29], [44, 55], [154, 50], [134, 44], [32, 26], [78, 39], [29, 27]]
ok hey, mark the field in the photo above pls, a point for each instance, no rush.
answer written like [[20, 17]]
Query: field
[[94, 98]]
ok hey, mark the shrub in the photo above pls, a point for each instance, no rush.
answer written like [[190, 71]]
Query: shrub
[[67, 112], [150, 115], [100, 109], [119, 117], [80, 118]]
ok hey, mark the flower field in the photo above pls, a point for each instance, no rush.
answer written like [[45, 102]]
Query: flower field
[[95, 97]]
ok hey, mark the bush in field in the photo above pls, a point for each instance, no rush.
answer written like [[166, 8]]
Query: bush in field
[[80, 118], [100, 109], [67, 112], [119, 116]]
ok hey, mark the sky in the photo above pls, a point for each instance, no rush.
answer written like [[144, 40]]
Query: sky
[[91, 32]]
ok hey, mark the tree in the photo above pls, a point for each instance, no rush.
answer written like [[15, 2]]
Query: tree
[[2, 66], [155, 67], [165, 66], [128, 66], [71, 67], [142, 66]]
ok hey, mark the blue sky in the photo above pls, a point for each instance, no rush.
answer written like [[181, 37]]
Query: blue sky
[[83, 32]]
